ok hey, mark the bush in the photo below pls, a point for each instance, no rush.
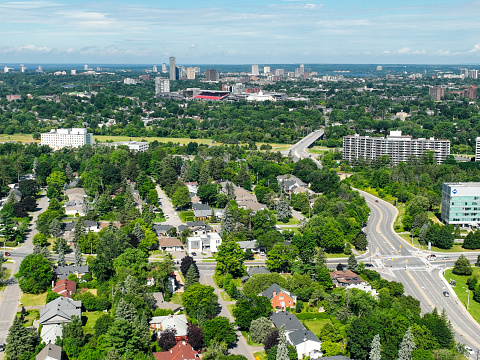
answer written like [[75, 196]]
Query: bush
[[299, 306]]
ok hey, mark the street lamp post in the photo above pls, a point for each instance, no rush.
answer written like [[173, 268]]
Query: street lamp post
[[468, 300]]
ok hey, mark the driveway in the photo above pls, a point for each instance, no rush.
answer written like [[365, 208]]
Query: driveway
[[10, 297], [168, 209]]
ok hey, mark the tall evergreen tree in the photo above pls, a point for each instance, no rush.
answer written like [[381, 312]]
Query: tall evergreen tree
[[407, 346], [228, 222], [138, 232], [68, 172], [78, 255], [191, 277], [20, 340], [283, 210], [126, 311], [61, 257], [375, 350], [55, 228], [282, 350], [79, 230], [352, 263]]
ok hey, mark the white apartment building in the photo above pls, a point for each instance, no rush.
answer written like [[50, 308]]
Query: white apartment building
[[255, 70], [132, 145], [477, 149], [397, 146], [60, 138], [162, 85], [203, 243]]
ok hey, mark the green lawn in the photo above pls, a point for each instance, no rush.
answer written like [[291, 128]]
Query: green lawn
[[176, 299], [30, 315], [17, 137], [230, 308], [397, 225], [461, 291], [260, 355], [454, 248], [341, 255], [89, 319], [295, 229], [315, 325], [186, 216], [33, 300], [246, 335], [225, 296], [291, 221], [182, 141]]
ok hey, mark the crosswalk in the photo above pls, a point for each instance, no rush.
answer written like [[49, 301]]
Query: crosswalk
[[413, 268]]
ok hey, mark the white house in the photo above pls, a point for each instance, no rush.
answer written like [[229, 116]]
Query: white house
[[206, 242]]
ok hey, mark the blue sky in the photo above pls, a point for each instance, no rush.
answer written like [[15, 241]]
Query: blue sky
[[240, 32]]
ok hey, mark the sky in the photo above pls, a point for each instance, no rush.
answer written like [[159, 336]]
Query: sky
[[240, 32]]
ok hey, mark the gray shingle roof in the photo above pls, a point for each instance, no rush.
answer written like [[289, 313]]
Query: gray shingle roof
[[62, 272], [289, 320], [299, 336], [50, 351], [199, 206], [274, 287], [258, 270], [336, 357], [160, 229]]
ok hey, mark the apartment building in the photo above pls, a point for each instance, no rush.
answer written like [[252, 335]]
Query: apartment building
[[60, 138]]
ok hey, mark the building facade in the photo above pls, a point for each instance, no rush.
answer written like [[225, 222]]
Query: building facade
[[437, 92], [162, 85], [255, 70], [60, 138], [461, 204], [397, 146], [211, 75], [173, 69]]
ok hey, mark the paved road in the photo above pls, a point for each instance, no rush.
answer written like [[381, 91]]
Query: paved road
[[10, 298], [298, 150], [241, 347], [168, 209], [421, 279]]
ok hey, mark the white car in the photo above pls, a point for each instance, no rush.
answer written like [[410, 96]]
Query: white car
[[469, 350]]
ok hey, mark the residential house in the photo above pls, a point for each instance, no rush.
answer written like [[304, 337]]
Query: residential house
[[197, 227], [137, 200], [202, 211], [344, 278], [50, 352], [104, 224], [56, 313], [92, 225], [306, 342], [250, 204], [249, 244], [170, 244], [16, 193], [290, 183], [279, 297], [76, 192], [161, 230], [65, 287], [181, 351], [203, 243], [177, 322], [254, 270], [62, 272], [364, 287]]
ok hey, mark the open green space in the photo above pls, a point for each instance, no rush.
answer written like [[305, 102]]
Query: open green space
[[260, 355], [29, 317], [333, 256], [25, 138], [462, 293], [246, 335], [33, 299], [186, 216], [291, 221], [454, 248], [89, 319], [316, 325], [176, 299]]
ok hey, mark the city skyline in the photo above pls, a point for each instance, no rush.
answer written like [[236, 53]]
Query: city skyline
[[293, 31]]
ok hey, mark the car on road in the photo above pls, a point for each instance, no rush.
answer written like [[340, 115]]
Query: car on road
[[446, 258], [6, 253], [369, 265], [376, 200], [446, 294], [469, 350], [194, 254], [2, 347], [167, 216]]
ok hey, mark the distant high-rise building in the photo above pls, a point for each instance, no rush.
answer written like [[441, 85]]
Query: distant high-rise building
[[164, 68], [191, 73], [470, 92], [477, 149], [60, 138], [255, 70], [162, 85], [279, 72], [22, 68], [302, 69], [436, 92], [379, 68], [473, 74], [154, 69], [40, 69], [266, 69], [85, 67], [6, 69], [173, 69], [464, 72], [211, 75], [99, 68], [182, 72], [73, 72]]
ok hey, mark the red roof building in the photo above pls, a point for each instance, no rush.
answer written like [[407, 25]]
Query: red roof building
[[65, 287], [181, 351]]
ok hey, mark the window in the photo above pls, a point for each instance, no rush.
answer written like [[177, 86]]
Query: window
[[281, 297]]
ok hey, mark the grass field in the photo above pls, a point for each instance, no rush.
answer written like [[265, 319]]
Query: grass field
[[461, 291], [26, 138], [29, 317], [89, 319], [246, 335], [291, 221], [455, 247], [186, 216], [176, 299], [332, 256], [33, 300], [316, 325], [260, 355]]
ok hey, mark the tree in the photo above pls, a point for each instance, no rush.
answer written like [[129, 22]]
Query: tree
[[219, 328], [230, 259], [166, 339], [55, 228], [406, 346], [78, 255], [60, 243], [20, 341], [228, 222], [323, 277], [250, 308], [283, 210], [102, 324], [191, 278], [55, 182], [360, 241], [215, 350], [352, 263], [28, 187], [462, 266], [260, 328], [35, 274], [68, 172], [281, 257], [332, 239], [197, 297], [61, 257], [40, 240], [181, 197], [138, 232], [195, 336], [185, 264], [375, 351], [282, 351], [125, 336], [152, 197]]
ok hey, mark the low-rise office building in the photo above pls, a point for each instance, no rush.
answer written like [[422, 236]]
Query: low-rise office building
[[461, 204], [60, 138]]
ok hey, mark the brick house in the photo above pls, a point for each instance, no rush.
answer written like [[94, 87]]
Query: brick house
[[279, 297], [65, 287]]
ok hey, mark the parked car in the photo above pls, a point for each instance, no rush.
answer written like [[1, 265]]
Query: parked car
[[469, 350], [194, 254], [7, 253], [2, 347], [376, 200], [446, 294]]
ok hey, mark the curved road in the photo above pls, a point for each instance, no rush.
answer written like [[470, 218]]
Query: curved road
[[422, 279], [298, 150]]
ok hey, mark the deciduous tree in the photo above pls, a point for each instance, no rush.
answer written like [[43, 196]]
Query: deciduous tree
[[35, 274]]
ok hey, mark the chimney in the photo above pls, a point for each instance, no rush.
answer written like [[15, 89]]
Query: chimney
[[274, 294], [169, 316]]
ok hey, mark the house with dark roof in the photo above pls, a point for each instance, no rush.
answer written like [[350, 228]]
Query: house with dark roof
[[170, 244], [92, 225], [65, 287], [50, 352], [62, 272], [279, 297], [345, 278], [202, 211], [56, 313], [198, 228], [254, 270], [160, 229]]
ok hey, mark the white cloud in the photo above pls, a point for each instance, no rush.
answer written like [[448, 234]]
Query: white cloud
[[404, 50], [28, 48], [475, 49], [419, 52]]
